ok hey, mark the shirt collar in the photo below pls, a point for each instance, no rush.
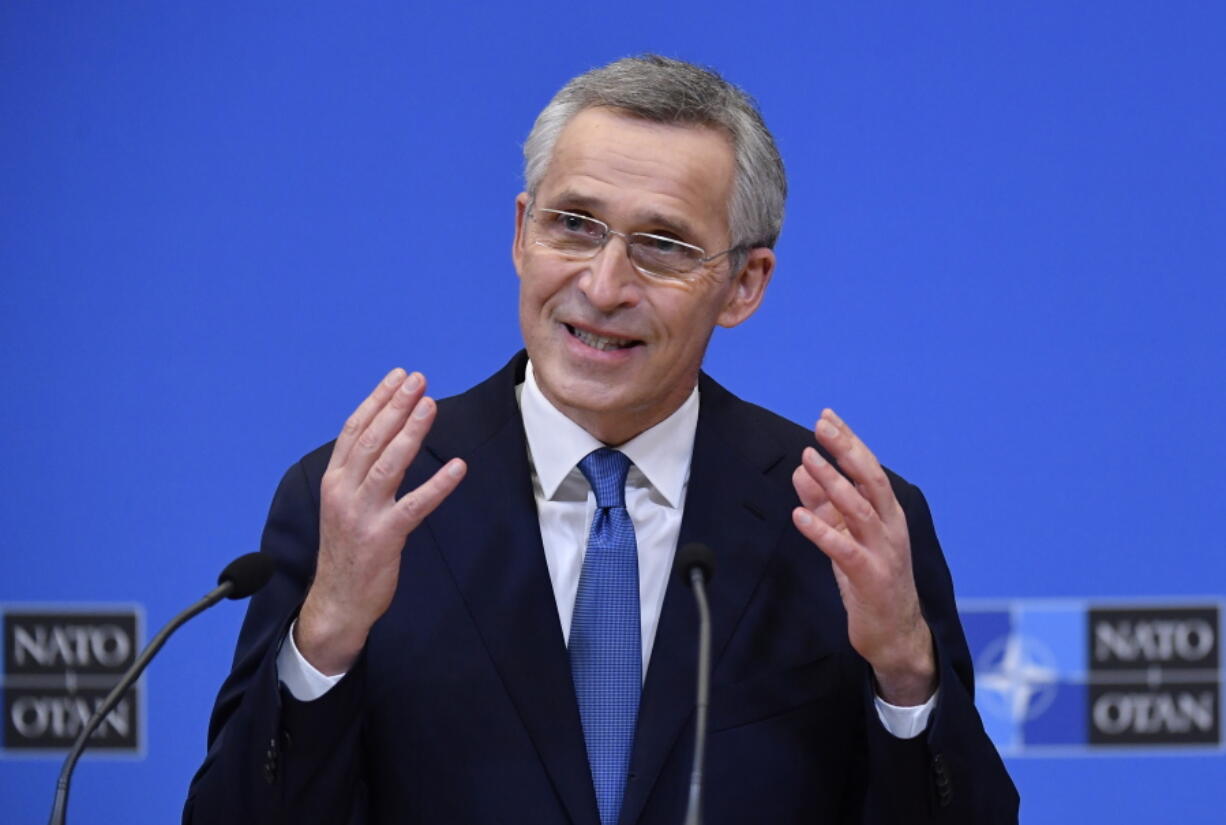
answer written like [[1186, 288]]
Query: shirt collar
[[557, 444]]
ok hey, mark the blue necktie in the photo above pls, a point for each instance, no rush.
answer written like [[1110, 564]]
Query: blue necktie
[[605, 637]]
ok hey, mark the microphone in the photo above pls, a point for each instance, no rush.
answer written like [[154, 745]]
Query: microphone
[[242, 577], [696, 563], [245, 575]]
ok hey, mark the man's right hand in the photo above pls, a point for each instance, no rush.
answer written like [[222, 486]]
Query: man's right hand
[[362, 526]]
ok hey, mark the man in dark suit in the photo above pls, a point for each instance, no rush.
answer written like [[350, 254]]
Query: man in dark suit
[[473, 618]]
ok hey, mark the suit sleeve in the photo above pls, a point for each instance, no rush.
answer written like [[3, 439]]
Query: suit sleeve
[[272, 759], [952, 772]]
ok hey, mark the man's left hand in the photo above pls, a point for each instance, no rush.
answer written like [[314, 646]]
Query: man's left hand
[[861, 527]]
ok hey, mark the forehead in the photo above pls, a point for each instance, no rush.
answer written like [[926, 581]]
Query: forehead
[[635, 170]]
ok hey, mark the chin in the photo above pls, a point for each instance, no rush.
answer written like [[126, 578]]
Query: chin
[[582, 393]]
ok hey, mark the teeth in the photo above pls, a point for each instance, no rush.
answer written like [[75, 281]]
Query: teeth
[[599, 341]]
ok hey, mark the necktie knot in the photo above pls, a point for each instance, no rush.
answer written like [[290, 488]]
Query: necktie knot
[[605, 469]]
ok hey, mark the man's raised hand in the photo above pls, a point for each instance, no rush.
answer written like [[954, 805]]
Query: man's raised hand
[[362, 525], [861, 527]]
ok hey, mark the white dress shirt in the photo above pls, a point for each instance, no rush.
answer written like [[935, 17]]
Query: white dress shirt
[[655, 499]]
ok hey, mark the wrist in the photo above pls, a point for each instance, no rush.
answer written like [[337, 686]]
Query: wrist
[[910, 679], [327, 637]]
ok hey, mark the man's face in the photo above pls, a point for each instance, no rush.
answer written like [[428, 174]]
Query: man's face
[[636, 176]]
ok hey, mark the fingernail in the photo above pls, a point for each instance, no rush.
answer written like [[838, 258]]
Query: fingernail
[[393, 377], [827, 429], [455, 470], [803, 518], [423, 409], [413, 380]]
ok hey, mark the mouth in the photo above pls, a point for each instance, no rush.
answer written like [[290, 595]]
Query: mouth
[[604, 343]]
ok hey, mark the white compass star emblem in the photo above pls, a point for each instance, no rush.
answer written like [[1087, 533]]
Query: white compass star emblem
[[1017, 677]]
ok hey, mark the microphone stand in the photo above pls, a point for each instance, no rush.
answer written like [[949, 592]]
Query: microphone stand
[[59, 808], [693, 814]]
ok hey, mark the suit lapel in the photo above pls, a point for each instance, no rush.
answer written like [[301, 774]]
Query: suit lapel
[[491, 540], [737, 511], [489, 536]]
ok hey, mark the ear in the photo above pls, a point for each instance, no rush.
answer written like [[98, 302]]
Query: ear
[[748, 287], [517, 247]]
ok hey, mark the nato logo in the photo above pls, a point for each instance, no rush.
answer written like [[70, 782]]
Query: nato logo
[[1057, 677], [59, 665]]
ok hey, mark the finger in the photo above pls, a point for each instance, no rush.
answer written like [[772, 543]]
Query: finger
[[814, 499], [838, 546], [361, 417], [384, 426], [858, 513], [828, 513], [388, 469], [857, 460], [413, 508], [809, 492]]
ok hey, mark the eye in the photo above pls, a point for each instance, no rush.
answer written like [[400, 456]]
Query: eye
[[663, 245], [665, 248], [662, 255], [569, 223]]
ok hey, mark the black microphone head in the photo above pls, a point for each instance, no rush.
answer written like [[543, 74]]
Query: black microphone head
[[695, 554], [247, 573]]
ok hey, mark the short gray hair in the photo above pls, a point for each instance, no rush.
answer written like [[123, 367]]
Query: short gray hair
[[663, 90]]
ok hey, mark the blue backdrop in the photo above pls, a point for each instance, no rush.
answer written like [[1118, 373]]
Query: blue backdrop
[[222, 222]]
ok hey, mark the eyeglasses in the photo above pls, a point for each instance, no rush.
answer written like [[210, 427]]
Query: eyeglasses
[[582, 236]]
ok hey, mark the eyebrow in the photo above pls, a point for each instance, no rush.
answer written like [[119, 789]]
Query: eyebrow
[[570, 199]]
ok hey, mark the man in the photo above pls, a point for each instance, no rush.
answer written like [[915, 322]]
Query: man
[[474, 619]]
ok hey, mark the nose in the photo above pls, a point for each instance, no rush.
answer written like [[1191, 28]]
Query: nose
[[610, 280]]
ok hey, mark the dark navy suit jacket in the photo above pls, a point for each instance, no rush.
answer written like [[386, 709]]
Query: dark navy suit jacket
[[461, 707]]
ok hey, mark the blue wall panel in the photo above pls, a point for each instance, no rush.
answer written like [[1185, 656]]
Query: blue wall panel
[[220, 223]]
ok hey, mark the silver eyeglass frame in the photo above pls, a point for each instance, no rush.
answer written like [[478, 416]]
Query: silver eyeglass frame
[[628, 238]]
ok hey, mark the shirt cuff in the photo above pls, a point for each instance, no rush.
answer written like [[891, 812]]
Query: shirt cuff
[[902, 722], [301, 679]]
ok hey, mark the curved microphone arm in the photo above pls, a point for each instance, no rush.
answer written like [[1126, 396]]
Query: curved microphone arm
[[242, 577], [60, 807]]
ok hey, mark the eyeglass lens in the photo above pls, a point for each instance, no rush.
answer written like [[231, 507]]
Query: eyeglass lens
[[583, 236]]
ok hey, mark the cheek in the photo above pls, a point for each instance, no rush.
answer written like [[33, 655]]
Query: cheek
[[532, 319], [546, 281], [539, 288], [689, 322], [531, 285]]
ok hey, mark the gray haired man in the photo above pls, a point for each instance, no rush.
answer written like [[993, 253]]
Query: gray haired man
[[474, 619]]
